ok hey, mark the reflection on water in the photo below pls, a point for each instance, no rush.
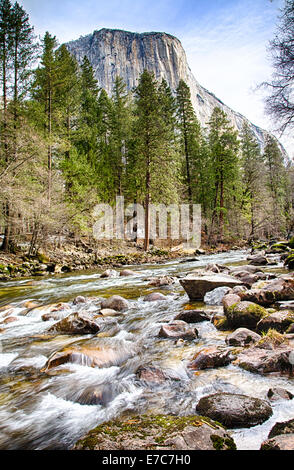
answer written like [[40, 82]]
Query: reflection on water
[[40, 410]]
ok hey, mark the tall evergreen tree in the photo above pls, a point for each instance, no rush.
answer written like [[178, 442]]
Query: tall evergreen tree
[[224, 145], [190, 136], [44, 91], [252, 175]]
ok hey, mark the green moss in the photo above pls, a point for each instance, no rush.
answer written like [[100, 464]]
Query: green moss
[[291, 243], [222, 443], [161, 426], [240, 316]]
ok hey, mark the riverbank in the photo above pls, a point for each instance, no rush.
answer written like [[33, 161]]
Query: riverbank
[[81, 256]]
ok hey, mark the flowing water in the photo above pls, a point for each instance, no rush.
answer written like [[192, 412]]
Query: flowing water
[[53, 410]]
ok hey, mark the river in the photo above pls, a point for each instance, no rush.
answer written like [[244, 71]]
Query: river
[[52, 411]]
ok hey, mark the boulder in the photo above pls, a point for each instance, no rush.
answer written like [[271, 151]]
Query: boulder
[[279, 321], [162, 281], [198, 286], [276, 290], [216, 296], [76, 324], [108, 312], [277, 393], [245, 315], [258, 260], [116, 302], [79, 300], [155, 297], [286, 427], [235, 410], [264, 361], [158, 432], [127, 272], [193, 316], [86, 356], [151, 375], [178, 329], [247, 268], [109, 273], [242, 337], [229, 300], [212, 357], [284, 442]]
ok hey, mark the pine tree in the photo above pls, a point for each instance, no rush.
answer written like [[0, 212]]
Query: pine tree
[[224, 145], [190, 135], [252, 176], [44, 91], [275, 182]]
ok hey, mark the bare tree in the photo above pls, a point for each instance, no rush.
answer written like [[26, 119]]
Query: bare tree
[[280, 103]]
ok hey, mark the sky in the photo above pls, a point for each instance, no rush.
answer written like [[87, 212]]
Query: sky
[[226, 41]]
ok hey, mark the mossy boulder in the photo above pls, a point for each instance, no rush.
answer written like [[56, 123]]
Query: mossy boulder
[[279, 321], [157, 432], [245, 315], [289, 262], [291, 243]]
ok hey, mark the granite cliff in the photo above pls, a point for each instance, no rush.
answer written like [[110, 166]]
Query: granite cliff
[[115, 52]]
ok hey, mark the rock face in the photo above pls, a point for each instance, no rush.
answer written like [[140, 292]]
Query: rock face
[[113, 53], [158, 432], [235, 411]]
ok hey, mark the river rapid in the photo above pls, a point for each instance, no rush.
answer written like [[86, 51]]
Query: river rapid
[[52, 410]]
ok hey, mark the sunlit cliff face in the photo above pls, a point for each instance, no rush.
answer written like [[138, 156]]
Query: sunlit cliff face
[[115, 53]]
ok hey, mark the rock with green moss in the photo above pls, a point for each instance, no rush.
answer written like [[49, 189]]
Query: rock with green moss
[[157, 432], [279, 321], [289, 262], [291, 243], [244, 315]]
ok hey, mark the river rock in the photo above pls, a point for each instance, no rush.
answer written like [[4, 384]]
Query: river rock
[[94, 395], [77, 323], [286, 427], [216, 296], [278, 393], [152, 375], [115, 302], [178, 329], [235, 410], [10, 320], [258, 260], [162, 281], [109, 273], [247, 267], [265, 361], [229, 300], [127, 273], [79, 300], [198, 286], [284, 442], [193, 316], [279, 321], [86, 356], [108, 312], [242, 337], [155, 297], [276, 290], [212, 357], [245, 315], [157, 432]]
